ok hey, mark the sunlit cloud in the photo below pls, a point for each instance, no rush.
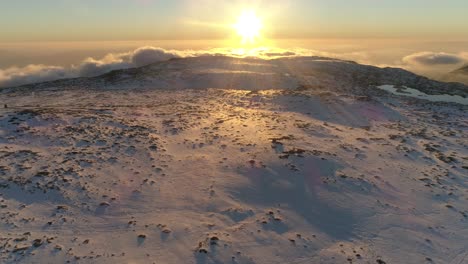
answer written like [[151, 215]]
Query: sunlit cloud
[[32, 73], [90, 67], [421, 62], [433, 64], [434, 58]]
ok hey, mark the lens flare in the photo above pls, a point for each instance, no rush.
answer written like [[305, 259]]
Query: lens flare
[[248, 27]]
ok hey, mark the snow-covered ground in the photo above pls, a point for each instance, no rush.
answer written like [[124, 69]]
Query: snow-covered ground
[[310, 175], [406, 91]]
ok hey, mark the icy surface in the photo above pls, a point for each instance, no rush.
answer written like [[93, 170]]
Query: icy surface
[[320, 174], [405, 91]]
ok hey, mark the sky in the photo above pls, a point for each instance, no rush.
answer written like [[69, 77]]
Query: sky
[[85, 20], [46, 39]]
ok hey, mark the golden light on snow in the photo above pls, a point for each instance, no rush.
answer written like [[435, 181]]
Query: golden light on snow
[[248, 27]]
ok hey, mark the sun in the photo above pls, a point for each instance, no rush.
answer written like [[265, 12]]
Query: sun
[[248, 27]]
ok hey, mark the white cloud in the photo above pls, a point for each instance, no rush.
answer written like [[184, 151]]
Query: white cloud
[[147, 55], [433, 64], [434, 58], [89, 67], [428, 63], [32, 73]]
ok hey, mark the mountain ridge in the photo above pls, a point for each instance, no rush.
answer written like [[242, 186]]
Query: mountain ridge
[[462, 70], [254, 74], [333, 171]]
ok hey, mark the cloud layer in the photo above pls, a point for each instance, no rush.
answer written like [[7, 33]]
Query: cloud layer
[[427, 63], [435, 65], [433, 59], [32, 73], [89, 67]]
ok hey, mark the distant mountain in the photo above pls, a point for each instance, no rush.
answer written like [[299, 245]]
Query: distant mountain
[[458, 75], [256, 74], [462, 70]]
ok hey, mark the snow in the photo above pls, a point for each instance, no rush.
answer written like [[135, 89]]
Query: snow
[[405, 91], [155, 175]]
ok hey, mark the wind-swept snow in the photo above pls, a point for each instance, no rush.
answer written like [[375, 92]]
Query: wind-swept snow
[[405, 91], [223, 72], [311, 174]]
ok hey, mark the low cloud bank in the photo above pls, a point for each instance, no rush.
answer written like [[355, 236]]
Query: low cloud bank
[[436, 65], [32, 73], [430, 64], [90, 67], [15, 76], [433, 58]]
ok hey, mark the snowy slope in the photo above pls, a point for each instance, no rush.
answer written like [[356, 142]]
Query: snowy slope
[[223, 72], [304, 162]]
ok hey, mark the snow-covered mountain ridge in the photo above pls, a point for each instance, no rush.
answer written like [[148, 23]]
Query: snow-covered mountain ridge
[[214, 160], [256, 74]]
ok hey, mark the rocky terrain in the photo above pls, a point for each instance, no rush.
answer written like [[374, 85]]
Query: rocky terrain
[[223, 160], [223, 72]]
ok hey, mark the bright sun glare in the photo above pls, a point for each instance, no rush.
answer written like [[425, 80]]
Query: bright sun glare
[[248, 27]]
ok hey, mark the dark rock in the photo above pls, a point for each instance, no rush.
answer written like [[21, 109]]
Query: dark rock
[[17, 249], [38, 242]]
